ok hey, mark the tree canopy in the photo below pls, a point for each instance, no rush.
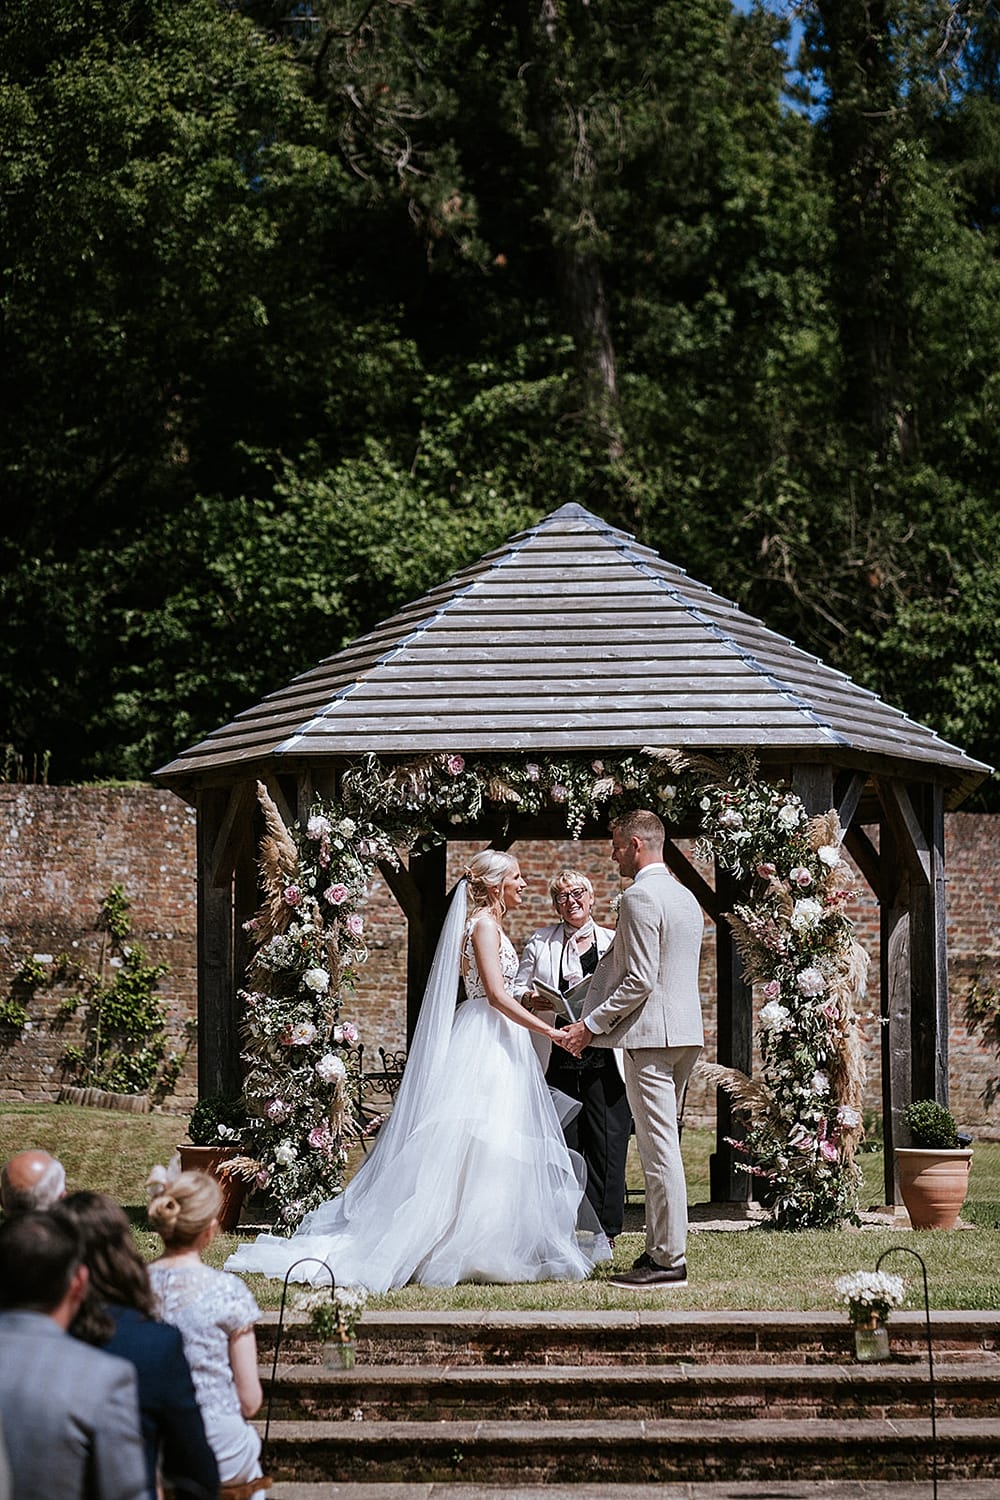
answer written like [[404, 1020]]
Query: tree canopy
[[300, 312]]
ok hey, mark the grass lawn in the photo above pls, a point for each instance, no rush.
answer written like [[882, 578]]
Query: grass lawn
[[756, 1268]]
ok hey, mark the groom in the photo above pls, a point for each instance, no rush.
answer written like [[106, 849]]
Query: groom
[[644, 998]]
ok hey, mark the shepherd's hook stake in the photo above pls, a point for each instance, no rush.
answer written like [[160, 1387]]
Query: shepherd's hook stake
[[906, 1250], [306, 1260]]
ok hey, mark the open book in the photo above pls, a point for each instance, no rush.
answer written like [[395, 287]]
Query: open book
[[568, 1005]]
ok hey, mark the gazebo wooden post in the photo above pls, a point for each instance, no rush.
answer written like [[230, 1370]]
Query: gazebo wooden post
[[914, 957], [218, 1040], [894, 986], [734, 1046], [429, 872]]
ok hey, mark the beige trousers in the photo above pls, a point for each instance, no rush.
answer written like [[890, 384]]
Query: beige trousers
[[655, 1080]]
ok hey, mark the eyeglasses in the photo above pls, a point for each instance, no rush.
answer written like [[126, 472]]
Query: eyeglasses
[[576, 894]]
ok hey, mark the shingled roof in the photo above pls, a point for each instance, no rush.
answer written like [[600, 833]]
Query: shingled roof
[[571, 637]]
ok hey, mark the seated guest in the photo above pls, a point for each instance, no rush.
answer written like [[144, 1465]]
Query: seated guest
[[177, 1449], [70, 1413], [31, 1180], [561, 956], [215, 1313]]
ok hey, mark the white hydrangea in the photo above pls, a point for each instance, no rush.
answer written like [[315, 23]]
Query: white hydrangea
[[811, 982], [775, 1017], [286, 1155], [829, 854]]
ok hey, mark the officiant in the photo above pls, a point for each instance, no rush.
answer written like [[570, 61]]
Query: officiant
[[562, 956]]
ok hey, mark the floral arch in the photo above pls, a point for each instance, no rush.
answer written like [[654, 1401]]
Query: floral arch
[[796, 941]]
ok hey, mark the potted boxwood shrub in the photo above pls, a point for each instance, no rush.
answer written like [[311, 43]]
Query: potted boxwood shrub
[[215, 1130], [934, 1171]]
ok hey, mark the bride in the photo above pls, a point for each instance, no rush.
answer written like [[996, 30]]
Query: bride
[[470, 1179]]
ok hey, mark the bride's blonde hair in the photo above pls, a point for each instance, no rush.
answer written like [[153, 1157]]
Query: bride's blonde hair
[[485, 872]]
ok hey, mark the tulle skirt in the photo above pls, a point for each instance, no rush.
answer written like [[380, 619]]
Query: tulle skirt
[[478, 1186]]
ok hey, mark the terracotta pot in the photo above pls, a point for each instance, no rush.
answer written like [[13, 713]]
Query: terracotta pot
[[933, 1185], [212, 1159]]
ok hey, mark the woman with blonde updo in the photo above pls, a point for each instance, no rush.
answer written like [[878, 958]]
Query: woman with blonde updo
[[215, 1313], [470, 1179]]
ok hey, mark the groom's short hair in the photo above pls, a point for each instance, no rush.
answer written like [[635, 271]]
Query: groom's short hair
[[643, 825]]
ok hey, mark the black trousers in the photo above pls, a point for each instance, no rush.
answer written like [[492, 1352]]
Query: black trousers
[[600, 1131]]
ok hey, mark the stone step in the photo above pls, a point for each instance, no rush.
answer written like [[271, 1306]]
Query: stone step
[[514, 1453], [822, 1489], [634, 1337], [427, 1393]]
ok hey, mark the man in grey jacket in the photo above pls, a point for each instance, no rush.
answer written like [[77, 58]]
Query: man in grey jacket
[[644, 998], [70, 1413]]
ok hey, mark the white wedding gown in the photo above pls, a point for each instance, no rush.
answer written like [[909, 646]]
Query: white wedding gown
[[470, 1179]]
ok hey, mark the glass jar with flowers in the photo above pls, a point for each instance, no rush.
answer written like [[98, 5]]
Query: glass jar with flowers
[[334, 1316], [869, 1297]]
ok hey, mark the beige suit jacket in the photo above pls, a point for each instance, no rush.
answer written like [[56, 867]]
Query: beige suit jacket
[[644, 992]]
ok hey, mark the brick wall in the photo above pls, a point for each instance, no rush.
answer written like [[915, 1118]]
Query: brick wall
[[62, 848]]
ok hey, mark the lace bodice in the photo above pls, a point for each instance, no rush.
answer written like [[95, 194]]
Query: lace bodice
[[207, 1306], [508, 964]]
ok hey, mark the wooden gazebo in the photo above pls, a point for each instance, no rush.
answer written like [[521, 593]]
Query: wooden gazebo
[[573, 637]]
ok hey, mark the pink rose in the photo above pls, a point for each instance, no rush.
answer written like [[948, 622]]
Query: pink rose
[[800, 876], [598, 766], [772, 990], [292, 895], [532, 771], [319, 1138], [767, 871], [455, 765], [335, 894], [558, 792], [355, 924], [276, 1110]]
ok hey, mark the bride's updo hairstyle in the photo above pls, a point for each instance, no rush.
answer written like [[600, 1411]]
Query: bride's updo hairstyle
[[485, 872], [181, 1210]]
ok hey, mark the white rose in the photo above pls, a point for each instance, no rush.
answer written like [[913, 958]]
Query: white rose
[[317, 979], [286, 1154], [775, 1017], [790, 815], [806, 914], [829, 854]]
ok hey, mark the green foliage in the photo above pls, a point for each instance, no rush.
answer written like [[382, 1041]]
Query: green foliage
[[293, 331], [982, 1020], [217, 1120], [931, 1126], [124, 1048]]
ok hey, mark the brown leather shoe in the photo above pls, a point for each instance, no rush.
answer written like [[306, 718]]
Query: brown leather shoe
[[651, 1276]]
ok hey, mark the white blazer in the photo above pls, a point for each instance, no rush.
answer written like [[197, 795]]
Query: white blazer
[[542, 959]]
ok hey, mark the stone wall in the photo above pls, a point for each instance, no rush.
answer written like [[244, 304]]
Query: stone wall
[[62, 848]]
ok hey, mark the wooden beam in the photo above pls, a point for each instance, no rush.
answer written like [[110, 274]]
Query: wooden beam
[[911, 838], [403, 887], [232, 833], [691, 878], [304, 795], [848, 790], [279, 799], [861, 849], [813, 783]]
